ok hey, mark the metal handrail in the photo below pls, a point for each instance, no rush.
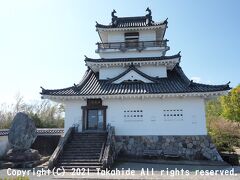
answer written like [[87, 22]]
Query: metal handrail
[[109, 149], [127, 45], [101, 153], [59, 149]]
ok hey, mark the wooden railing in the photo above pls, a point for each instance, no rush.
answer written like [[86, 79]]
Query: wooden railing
[[109, 154], [63, 140], [140, 45]]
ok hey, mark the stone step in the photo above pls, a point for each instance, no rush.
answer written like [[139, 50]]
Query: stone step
[[89, 136], [75, 167], [82, 150], [81, 154], [87, 140], [92, 138], [70, 156], [80, 164], [90, 133], [97, 146], [90, 143], [80, 160], [84, 145]]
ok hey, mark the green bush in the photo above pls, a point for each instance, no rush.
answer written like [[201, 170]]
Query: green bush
[[224, 133]]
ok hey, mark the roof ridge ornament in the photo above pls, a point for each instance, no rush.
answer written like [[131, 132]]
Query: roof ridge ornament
[[228, 83], [97, 23], [149, 16], [149, 11], [166, 21], [190, 83], [113, 13], [114, 17], [76, 87], [43, 90]]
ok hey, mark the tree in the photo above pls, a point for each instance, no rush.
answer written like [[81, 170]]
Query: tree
[[214, 108], [45, 114], [231, 104]]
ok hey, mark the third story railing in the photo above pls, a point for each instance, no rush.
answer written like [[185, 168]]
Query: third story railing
[[131, 45]]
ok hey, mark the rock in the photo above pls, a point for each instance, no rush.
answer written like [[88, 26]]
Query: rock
[[23, 156], [22, 133]]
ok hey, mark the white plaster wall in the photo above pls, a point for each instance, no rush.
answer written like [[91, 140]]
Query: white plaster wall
[[160, 71], [111, 72], [132, 53], [104, 37], [153, 122], [117, 36], [73, 114], [148, 35]]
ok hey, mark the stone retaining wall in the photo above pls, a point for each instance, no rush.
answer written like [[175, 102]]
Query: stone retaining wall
[[187, 147], [4, 146], [46, 144]]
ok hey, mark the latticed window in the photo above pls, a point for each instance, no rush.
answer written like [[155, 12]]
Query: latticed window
[[131, 39]]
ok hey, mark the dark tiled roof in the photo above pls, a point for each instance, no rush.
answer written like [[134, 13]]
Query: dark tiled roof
[[133, 59], [125, 22], [176, 82]]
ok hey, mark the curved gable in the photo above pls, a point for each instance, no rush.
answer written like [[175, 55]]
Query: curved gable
[[132, 76]]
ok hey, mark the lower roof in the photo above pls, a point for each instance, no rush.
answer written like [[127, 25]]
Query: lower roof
[[160, 58], [176, 82]]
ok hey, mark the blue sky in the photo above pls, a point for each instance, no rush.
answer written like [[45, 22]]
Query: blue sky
[[43, 43]]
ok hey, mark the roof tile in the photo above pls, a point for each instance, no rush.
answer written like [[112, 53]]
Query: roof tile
[[176, 82]]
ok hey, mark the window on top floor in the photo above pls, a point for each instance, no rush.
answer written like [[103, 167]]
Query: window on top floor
[[131, 39]]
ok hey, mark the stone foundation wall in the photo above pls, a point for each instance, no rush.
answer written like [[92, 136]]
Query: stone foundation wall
[[4, 146], [187, 147], [46, 144]]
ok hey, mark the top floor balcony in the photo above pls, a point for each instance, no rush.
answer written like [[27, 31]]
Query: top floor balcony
[[138, 45]]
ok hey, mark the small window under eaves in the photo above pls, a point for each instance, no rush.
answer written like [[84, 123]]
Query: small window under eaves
[[131, 39]]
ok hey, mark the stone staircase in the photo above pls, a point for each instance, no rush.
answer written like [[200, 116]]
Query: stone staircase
[[83, 152]]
